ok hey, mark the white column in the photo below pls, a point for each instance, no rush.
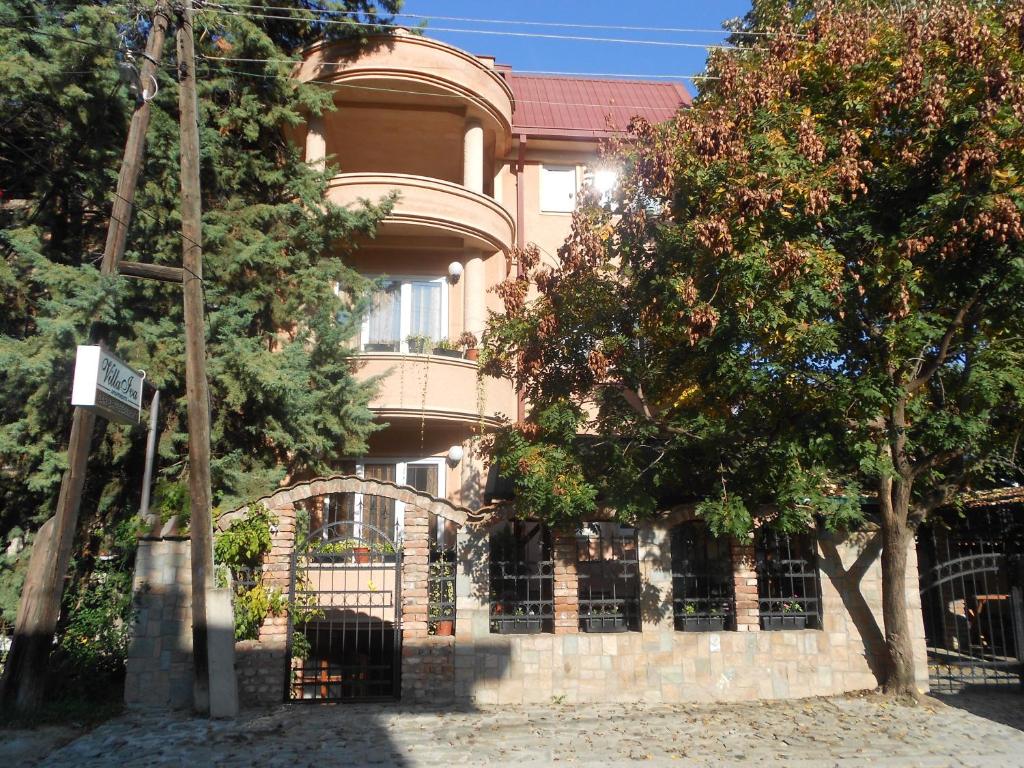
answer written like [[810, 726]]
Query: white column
[[473, 156], [316, 143], [474, 293]]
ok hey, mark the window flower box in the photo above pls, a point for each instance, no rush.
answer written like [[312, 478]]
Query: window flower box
[[701, 623], [600, 623], [784, 622], [444, 352], [519, 625]]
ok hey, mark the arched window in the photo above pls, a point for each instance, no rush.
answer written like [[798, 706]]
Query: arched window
[[702, 581]]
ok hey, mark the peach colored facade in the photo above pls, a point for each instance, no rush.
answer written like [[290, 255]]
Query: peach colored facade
[[436, 126]]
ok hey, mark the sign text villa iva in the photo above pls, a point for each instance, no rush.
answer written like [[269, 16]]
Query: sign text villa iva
[[106, 385]]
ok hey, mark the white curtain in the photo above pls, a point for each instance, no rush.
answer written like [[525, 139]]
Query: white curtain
[[425, 319], [385, 315]]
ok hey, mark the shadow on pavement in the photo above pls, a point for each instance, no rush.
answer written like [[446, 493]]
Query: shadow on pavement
[[999, 706]]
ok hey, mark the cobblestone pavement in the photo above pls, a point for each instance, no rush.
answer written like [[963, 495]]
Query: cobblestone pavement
[[975, 730]]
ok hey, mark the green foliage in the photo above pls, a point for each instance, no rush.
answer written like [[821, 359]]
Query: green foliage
[[170, 499], [282, 304], [246, 540], [95, 638], [811, 292], [252, 606]]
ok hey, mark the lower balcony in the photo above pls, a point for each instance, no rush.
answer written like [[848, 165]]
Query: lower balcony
[[430, 207], [437, 389]]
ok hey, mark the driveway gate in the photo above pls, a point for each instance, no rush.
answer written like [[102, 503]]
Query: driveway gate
[[345, 634], [973, 612]]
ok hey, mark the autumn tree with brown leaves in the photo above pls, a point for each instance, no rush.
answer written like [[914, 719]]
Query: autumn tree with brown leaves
[[807, 303]]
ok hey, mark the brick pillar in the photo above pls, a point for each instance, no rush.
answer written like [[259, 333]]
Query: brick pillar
[[566, 587], [415, 558], [261, 663], [745, 586]]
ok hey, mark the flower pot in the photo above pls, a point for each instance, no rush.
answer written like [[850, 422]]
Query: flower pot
[[380, 347], [472, 353], [445, 628], [447, 352], [417, 347], [362, 555], [784, 622], [604, 624], [519, 625], [701, 623]]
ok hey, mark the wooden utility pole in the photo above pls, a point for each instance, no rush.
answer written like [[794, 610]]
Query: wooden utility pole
[[23, 684], [196, 388]]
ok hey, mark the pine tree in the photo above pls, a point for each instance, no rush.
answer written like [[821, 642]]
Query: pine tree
[[282, 305]]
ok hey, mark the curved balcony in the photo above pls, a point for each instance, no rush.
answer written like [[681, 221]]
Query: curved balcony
[[436, 388], [412, 69], [430, 207]]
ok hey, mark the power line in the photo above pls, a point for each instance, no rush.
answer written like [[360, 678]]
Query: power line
[[512, 22], [514, 71], [377, 89], [500, 33]]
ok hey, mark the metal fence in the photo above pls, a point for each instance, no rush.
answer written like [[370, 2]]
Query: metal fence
[[788, 586], [702, 580], [441, 592], [608, 573], [521, 579]]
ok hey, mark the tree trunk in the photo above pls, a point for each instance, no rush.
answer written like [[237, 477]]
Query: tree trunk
[[896, 538]]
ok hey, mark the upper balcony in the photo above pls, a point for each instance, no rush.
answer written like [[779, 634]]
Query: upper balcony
[[408, 69], [436, 389], [428, 206]]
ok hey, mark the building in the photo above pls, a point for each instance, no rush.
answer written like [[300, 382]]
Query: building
[[400, 586]]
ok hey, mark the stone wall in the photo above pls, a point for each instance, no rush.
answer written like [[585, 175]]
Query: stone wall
[[656, 664], [664, 665], [159, 668]]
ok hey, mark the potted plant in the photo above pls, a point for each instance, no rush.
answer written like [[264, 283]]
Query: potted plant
[[793, 617], [694, 620], [381, 346], [468, 341], [441, 599], [520, 623], [446, 348], [604, 618], [418, 343]]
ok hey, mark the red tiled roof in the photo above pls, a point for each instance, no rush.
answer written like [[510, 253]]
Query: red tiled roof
[[579, 107]]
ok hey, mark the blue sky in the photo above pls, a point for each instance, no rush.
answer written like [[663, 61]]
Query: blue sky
[[532, 53]]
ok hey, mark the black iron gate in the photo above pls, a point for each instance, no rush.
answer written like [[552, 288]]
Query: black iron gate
[[345, 639], [973, 612]]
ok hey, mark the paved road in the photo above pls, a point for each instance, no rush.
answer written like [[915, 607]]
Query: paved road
[[977, 730]]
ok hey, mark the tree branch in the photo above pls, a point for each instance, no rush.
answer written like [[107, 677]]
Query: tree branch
[[955, 325]]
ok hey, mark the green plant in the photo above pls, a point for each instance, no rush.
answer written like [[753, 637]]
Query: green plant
[[419, 343], [300, 646], [447, 344], [690, 609], [468, 340], [171, 498], [241, 549], [99, 610], [792, 607]]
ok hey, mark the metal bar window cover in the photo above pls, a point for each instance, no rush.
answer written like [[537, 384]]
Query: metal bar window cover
[[703, 594], [345, 619], [608, 574], [788, 587], [521, 579]]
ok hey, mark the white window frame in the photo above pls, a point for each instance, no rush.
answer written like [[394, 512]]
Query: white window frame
[[405, 310], [401, 475], [546, 203]]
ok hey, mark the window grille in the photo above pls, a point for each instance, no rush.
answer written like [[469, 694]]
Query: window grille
[[608, 571], [522, 578], [702, 580], [788, 587], [441, 577]]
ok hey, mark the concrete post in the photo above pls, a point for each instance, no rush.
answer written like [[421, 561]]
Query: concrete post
[[473, 156], [220, 623], [316, 143], [474, 291]]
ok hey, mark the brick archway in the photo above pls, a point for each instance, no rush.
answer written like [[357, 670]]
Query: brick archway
[[285, 499], [426, 661]]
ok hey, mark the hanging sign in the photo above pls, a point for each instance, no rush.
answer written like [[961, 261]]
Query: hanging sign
[[106, 385]]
